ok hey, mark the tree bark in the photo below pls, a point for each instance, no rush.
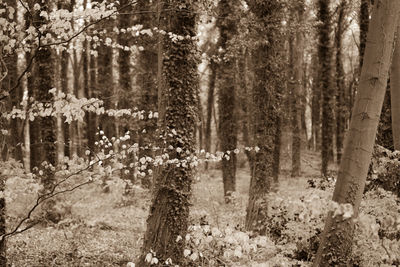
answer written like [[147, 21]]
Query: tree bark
[[227, 96], [340, 82], [147, 81], [68, 141], [296, 80], [45, 82], [268, 79], [325, 55], [395, 93], [336, 240], [364, 22], [3, 225], [169, 210], [16, 125], [316, 106], [210, 103]]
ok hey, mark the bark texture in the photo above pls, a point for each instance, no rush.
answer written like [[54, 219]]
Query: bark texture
[[340, 81], [296, 81], [147, 81], [268, 80], [336, 240], [325, 55], [395, 93], [316, 106], [227, 95], [210, 105], [169, 211]]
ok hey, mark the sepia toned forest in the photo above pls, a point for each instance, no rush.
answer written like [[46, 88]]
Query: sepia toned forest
[[200, 133]]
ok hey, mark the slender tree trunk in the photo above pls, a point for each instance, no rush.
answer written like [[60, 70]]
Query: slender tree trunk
[[105, 80], [147, 81], [227, 97], [267, 81], [245, 105], [12, 61], [3, 226], [364, 22], [45, 82], [297, 89], [74, 127], [325, 55], [92, 118], [59, 117], [395, 93], [210, 103], [64, 88], [340, 82], [169, 210], [34, 133], [316, 107], [336, 240]]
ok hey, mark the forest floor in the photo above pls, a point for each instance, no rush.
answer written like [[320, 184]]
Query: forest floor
[[105, 229]]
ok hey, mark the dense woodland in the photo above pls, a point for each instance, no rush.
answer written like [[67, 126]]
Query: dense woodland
[[200, 133]]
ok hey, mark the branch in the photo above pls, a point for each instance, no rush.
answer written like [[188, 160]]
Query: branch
[[51, 194], [57, 43], [88, 26]]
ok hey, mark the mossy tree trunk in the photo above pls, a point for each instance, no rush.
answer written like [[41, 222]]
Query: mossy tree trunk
[[169, 211], [227, 95], [268, 78], [336, 239], [325, 82]]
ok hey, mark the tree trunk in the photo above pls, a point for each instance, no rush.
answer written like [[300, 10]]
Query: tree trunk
[[68, 141], [147, 81], [16, 125], [34, 132], [297, 88], [105, 80], [169, 210], [364, 22], [210, 103], [316, 106], [45, 82], [336, 240], [395, 93], [3, 226], [325, 55], [227, 97], [267, 81], [74, 131], [245, 104], [340, 82]]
